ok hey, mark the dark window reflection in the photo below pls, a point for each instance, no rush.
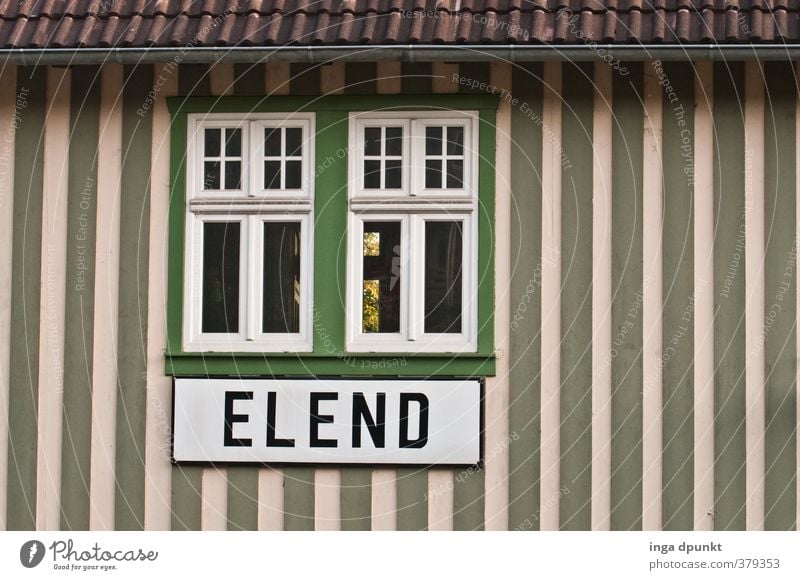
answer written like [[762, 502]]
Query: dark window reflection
[[443, 283], [381, 290], [221, 277], [281, 312]]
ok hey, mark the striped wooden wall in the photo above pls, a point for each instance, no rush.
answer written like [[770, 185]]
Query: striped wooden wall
[[646, 336]]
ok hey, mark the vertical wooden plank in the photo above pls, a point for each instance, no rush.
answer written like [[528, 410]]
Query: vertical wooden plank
[[416, 77], [158, 469], [52, 300], [551, 298], [652, 304], [304, 78], [8, 125], [704, 294], [106, 292], [626, 310], [79, 301], [780, 176], [754, 291], [730, 207], [133, 293], [25, 295], [360, 78], [525, 307], [678, 154], [575, 432], [601, 298]]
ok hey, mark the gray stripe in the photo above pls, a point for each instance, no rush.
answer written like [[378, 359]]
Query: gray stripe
[[133, 280], [626, 308], [356, 498], [780, 292], [678, 316], [79, 304], [25, 294], [729, 298], [412, 499], [298, 498]]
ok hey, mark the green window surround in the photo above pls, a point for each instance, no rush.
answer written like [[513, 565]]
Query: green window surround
[[329, 357]]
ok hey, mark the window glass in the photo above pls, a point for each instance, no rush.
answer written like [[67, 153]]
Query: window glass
[[383, 157], [381, 282], [221, 248], [283, 161], [444, 164], [443, 265], [281, 311], [222, 167]]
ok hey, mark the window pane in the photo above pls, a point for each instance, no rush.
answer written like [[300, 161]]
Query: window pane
[[394, 141], [212, 139], [272, 175], [433, 141], [443, 264], [293, 174], [233, 142], [433, 173], [372, 141], [372, 174], [233, 175], [220, 277], [393, 178], [381, 286], [211, 177], [272, 142], [455, 173], [294, 142], [281, 311], [455, 140]]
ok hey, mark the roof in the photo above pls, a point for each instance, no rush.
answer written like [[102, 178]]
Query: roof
[[37, 24]]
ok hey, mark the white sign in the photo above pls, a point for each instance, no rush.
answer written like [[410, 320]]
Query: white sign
[[327, 421]]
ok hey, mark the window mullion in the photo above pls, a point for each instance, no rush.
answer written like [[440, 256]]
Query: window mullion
[[251, 279], [413, 276]]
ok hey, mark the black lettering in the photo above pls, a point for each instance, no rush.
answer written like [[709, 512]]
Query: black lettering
[[422, 439], [376, 427], [317, 420], [231, 418], [273, 441]]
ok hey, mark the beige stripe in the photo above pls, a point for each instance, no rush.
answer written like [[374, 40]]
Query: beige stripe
[[497, 387], [214, 501], [384, 480], [51, 326], [158, 470], [601, 300], [214, 483], [704, 298], [440, 499], [8, 86], [652, 303], [551, 297], [331, 78], [389, 81], [221, 78], [277, 78], [797, 294], [327, 494], [445, 77], [270, 499], [106, 300], [755, 254]]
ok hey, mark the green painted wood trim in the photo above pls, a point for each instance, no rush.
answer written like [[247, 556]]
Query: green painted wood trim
[[329, 357], [304, 79], [412, 499], [417, 78], [678, 292], [360, 78], [780, 305], [575, 507], [356, 498], [25, 295], [133, 283], [249, 79], [626, 308], [242, 497], [729, 298], [187, 481], [187, 496], [79, 306], [298, 498], [526, 277]]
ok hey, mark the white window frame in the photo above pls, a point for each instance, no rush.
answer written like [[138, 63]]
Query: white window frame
[[251, 206], [413, 206]]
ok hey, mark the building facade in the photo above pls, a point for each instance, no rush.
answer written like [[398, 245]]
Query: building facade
[[625, 226]]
